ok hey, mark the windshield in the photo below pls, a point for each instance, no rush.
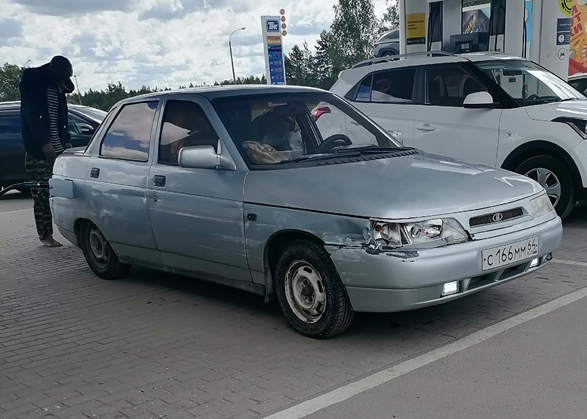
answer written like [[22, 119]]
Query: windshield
[[287, 128], [528, 83]]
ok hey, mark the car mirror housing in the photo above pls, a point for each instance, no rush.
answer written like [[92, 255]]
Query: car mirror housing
[[479, 100], [204, 157]]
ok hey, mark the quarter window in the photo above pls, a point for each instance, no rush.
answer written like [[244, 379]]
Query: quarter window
[[129, 136], [184, 125]]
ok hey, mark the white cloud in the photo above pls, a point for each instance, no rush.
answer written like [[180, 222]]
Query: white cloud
[[164, 43]]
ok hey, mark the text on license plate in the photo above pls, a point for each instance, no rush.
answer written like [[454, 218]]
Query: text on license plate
[[509, 253]]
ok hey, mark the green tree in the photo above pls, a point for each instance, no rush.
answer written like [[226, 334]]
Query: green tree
[[322, 62], [298, 66], [10, 76], [353, 30], [390, 18]]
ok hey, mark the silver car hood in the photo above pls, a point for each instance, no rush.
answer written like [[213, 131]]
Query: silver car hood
[[420, 185]]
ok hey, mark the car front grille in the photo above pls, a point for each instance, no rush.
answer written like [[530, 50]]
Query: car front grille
[[496, 217]]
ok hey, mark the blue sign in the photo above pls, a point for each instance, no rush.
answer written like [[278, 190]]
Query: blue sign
[[276, 64], [273, 26]]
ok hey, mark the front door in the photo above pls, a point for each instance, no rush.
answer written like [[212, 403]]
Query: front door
[[118, 177], [197, 214], [443, 126]]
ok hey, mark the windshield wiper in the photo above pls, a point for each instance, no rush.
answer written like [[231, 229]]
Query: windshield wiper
[[375, 149]]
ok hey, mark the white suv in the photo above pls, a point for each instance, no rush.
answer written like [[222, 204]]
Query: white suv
[[488, 108]]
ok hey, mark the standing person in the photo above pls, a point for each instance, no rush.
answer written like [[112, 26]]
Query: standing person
[[43, 114]]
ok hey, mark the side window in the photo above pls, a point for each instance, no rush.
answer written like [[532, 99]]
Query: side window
[[394, 86], [449, 85], [10, 124], [184, 125], [129, 136]]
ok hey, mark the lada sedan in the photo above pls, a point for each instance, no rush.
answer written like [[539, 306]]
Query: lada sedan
[[239, 186]]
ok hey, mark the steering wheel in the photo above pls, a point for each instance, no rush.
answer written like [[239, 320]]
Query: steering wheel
[[331, 141], [532, 97]]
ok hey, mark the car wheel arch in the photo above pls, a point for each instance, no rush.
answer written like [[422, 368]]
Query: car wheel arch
[[274, 247], [538, 148]]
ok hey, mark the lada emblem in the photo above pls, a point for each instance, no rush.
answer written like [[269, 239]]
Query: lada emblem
[[497, 217]]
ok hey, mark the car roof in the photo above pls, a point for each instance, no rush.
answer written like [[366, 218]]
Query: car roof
[[424, 58], [213, 92], [15, 104], [577, 76]]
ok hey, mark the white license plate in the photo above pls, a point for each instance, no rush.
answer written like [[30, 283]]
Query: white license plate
[[510, 253]]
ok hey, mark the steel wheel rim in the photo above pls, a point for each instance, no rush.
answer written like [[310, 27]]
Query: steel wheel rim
[[549, 181], [98, 248], [304, 291]]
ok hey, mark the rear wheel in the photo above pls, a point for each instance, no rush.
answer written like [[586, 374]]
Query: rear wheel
[[99, 254], [310, 292], [555, 178]]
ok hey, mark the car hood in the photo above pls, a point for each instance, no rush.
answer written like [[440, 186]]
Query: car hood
[[550, 111], [419, 185]]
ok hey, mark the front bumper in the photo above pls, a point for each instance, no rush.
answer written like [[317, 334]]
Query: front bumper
[[406, 280]]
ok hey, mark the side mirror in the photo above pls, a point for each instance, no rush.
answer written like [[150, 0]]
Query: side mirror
[[86, 129], [479, 100], [204, 157]]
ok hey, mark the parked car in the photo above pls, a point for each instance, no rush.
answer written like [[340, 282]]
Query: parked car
[[83, 121], [238, 185], [579, 82], [387, 44], [487, 108]]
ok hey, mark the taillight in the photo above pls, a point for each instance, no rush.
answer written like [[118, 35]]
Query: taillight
[[319, 111]]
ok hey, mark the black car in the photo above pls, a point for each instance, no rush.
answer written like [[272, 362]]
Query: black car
[[83, 122], [387, 44]]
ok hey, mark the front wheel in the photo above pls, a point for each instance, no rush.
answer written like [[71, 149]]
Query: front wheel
[[555, 178], [99, 254], [310, 292]]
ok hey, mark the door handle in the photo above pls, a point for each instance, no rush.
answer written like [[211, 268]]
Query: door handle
[[95, 172], [159, 180], [425, 127]]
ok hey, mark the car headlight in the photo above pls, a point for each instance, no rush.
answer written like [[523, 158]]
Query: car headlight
[[579, 125], [541, 206], [430, 233]]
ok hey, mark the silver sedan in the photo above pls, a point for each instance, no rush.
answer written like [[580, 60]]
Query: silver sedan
[[241, 186]]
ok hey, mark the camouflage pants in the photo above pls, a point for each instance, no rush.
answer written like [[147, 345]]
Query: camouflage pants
[[41, 171]]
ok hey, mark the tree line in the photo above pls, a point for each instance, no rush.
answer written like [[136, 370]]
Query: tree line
[[350, 39]]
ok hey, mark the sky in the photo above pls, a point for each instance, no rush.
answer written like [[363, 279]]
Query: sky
[[163, 43]]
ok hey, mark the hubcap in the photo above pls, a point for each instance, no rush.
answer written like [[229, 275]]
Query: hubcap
[[98, 247], [549, 181], [304, 291]]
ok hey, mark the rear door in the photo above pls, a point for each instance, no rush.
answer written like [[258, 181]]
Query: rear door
[[387, 97], [197, 214], [12, 169], [117, 176]]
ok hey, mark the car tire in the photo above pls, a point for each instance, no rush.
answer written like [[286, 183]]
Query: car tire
[[310, 292], [99, 254], [555, 178]]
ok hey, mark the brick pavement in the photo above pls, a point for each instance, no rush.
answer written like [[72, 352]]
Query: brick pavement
[[156, 345]]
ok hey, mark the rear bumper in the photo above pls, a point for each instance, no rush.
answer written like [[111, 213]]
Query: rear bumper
[[399, 281]]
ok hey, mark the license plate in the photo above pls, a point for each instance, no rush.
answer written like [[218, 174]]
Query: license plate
[[510, 253]]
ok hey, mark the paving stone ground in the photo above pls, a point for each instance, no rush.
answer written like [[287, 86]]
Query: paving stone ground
[[161, 346]]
